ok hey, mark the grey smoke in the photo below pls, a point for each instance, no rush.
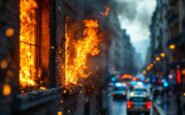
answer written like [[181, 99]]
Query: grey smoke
[[127, 9], [144, 17]]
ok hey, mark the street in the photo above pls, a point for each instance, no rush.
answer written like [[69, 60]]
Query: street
[[92, 57], [118, 106]]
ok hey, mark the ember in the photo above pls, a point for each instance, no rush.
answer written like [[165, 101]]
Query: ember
[[106, 13]]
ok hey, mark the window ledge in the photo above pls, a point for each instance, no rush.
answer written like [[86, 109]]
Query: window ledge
[[35, 98]]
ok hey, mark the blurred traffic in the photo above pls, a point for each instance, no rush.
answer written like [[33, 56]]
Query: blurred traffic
[[136, 95]]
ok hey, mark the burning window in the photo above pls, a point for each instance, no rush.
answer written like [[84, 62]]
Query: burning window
[[82, 41], [34, 43]]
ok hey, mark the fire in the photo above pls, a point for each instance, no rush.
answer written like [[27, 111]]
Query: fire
[[27, 72], [76, 65], [106, 13]]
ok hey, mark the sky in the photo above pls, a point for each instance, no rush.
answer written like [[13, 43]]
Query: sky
[[135, 17]]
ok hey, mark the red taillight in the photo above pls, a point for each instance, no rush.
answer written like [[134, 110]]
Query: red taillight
[[129, 104], [148, 104]]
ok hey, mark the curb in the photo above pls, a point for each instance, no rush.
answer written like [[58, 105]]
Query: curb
[[158, 110]]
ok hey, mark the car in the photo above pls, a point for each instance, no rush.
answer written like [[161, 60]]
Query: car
[[139, 104], [119, 93], [140, 91]]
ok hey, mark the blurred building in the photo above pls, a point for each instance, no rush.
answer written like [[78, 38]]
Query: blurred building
[[122, 54], [166, 57], [176, 29], [138, 63], [167, 30], [166, 53], [159, 37]]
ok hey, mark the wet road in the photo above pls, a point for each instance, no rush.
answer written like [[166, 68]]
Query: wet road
[[118, 107]]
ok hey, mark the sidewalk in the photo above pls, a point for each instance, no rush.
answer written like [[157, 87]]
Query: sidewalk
[[172, 106], [168, 105]]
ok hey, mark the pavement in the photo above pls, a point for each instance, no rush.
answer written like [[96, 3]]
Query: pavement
[[166, 105]]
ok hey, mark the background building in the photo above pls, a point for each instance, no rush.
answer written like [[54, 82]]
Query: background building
[[122, 55], [165, 58]]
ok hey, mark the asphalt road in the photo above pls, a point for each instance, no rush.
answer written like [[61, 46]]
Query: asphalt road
[[118, 107]]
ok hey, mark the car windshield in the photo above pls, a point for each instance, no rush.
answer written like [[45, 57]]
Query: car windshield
[[119, 88], [138, 99], [140, 90]]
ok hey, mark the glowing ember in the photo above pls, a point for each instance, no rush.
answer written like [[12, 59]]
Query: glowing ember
[[6, 90], [76, 65], [106, 13], [27, 44], [42, 88]]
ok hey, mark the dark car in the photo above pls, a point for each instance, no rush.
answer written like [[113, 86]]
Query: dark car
[[119, 93], [138, 104]]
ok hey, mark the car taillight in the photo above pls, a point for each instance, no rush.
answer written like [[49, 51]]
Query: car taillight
[[148, 104], [129, 104]]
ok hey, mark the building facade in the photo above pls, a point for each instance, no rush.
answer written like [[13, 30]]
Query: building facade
[[32, 58], [122, 54], [166, 52]]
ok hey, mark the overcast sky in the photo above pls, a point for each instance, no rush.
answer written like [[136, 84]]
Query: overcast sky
[[135, 17]]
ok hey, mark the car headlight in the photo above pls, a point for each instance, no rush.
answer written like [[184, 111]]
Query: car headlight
[[132, 94]]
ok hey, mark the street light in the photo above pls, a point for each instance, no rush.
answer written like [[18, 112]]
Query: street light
[[151, 65], [183, 71], [144, 72], [158, 59], [163, 54], [148, 68], [172, 46]]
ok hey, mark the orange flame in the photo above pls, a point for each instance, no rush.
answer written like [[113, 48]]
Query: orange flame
[[27, 44], [106, 13], [84, 47]]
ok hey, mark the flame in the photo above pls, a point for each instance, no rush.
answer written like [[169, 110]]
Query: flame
[[84, 47], [106, 13], [27, 71]]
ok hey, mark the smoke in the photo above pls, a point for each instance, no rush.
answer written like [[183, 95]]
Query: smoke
[[144, 17], [135, 16], [126, 9], [134, 10]]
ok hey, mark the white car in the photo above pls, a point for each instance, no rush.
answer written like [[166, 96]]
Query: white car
[[139, 104]]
